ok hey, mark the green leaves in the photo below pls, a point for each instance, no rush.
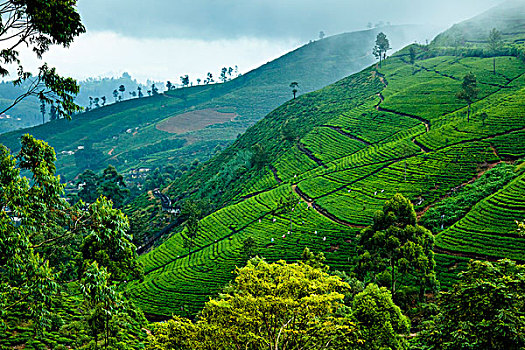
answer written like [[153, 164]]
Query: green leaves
[[39, 24], [485, 310], [396, 246]]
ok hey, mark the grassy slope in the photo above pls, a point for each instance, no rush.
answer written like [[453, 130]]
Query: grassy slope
[[356, 138], [252, 96]]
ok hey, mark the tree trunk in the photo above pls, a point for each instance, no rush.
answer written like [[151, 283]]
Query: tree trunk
[[494, 65], [393, 287], [468, 113]]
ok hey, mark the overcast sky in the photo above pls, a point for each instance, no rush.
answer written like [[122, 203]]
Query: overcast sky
[[163, 39]]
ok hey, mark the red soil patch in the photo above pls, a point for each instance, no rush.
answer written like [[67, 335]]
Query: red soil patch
[[194, 120]]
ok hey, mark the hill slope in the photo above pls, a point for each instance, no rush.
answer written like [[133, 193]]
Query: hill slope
[[127, 135], [333, 157]]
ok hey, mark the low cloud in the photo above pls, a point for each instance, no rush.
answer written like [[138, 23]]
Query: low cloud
[[299, 19]]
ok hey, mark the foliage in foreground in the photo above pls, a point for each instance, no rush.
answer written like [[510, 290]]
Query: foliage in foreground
[[46, 245], [485, 310], [288, 306]]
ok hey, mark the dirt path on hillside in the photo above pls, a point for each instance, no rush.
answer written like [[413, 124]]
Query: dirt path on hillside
[[310, 155], [347, 134], [322, 211], [453, 190]]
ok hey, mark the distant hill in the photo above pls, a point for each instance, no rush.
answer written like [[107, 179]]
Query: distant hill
[[508, 18], [130, 135], [27, 113], [327, 161]]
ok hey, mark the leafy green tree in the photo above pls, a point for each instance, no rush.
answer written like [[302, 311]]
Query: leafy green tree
[[484, 310], [495, 43], [121, 89], [111, 185], [412, 56], [140, 94], [395, 248], [103, 98], [108, 242], [223, 76], [289, 131], [249, 248], [321, 35], [209, 78], [185, 80], [192, 211], [381, 47], [268, 306], [38, 24], [154, 90], [43, 110], [310, 258], [41, 233], [381, 322], [198, 81], [87, 182], [259, 156], [101, 300], [97, 101], [115, 95], [169, 86], [469, 91], [294, 86]]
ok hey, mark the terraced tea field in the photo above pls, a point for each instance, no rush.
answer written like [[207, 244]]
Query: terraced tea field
[[399, 128]]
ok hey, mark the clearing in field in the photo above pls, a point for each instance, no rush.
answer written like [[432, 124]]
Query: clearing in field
[[194, 120]]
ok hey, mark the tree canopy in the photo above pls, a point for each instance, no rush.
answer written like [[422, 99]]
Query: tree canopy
[[288, 306], [485, 310], [38, 24], [394, 248]]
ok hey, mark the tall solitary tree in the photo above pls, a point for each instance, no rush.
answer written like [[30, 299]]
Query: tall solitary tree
[[396, 248], [115, 95], [185, 80], [294, 85], [43, 110], [495, 44], [121, 88], [192, 211], [381, 47], [469, 91], [321, 35], [53, 115], [223, 76], [169, 85], [412, 57], [209, 78]]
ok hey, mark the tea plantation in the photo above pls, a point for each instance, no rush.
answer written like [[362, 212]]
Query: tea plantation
[[395, 128]]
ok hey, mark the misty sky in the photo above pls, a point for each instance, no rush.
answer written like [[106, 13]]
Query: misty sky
[[163, 39]]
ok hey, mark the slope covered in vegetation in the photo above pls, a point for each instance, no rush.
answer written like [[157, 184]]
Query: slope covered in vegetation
[[331, 158], [125, 134]]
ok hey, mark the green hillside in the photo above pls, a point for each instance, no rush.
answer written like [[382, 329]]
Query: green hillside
[[127, 134], [332, 159]]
